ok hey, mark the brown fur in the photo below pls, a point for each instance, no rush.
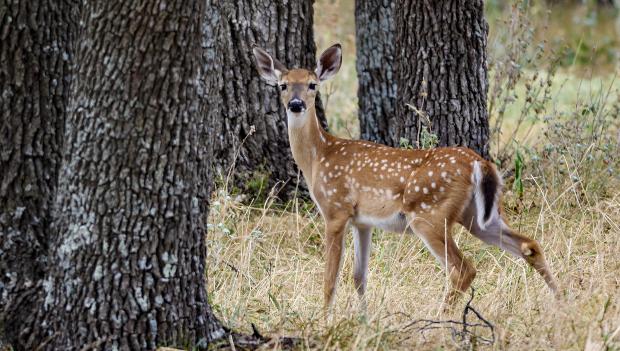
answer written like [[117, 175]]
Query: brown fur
[[355, 181]]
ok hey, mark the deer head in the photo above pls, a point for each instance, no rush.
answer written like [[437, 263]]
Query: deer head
[[298, 87]]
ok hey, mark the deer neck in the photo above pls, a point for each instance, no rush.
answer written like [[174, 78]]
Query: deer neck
[[308, 143]]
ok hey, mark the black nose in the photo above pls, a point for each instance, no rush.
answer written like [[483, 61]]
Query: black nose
[[296, 105]]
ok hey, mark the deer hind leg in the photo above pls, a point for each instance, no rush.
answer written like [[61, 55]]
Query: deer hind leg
[[438, 239], [496, 232]]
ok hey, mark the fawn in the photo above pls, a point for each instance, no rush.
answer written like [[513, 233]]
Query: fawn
[[423, 192]]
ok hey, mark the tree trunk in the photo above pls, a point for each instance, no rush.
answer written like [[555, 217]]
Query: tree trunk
[[127, 269], [441, 70], [248, 120], [36, 56], [374, 28], [126, 185]]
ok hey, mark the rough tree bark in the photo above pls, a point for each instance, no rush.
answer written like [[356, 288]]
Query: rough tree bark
[[374, 30], [128, 263], [441, 70], [246, 105], [35, 74]]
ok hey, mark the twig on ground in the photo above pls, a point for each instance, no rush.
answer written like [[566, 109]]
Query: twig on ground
[[237, 341], [464, 333]]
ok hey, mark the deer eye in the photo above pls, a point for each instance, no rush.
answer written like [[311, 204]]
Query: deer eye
[[283, 86], [312, 86]]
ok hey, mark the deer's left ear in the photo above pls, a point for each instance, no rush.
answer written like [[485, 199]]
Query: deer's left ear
[[269, 68], [329, 63]]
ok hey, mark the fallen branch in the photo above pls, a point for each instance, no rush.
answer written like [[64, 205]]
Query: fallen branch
[[465, 334], [237, 341]]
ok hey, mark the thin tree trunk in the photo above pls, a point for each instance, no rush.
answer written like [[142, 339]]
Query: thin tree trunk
[[374, 28], [36, 57], [248, 119], [127, 269], [441, 70]]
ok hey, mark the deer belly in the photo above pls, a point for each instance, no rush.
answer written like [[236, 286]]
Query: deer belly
[[395, 223]]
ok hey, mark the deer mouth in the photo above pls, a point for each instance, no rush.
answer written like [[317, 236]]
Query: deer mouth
[[296, 112]]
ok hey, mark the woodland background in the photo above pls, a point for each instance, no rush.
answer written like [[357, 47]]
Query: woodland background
[[553, 107], [148, 196]]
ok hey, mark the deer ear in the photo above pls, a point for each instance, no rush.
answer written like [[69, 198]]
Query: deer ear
[[269, 68], [329, 63], [279, 66]]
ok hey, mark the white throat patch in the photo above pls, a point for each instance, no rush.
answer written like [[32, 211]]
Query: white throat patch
[[296, 120]]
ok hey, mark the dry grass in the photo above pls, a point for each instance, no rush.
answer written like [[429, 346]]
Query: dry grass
[[265, 262]]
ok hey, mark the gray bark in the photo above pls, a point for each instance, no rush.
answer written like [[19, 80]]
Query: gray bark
[[374, 28], [107, 251], [35, 74], [127, 266], [246, 104], [441, 69]]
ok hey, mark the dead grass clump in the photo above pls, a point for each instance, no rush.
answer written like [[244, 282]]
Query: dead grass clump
[[265, 267]]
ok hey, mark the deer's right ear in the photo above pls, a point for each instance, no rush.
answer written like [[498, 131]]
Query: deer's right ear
[[269, 68]]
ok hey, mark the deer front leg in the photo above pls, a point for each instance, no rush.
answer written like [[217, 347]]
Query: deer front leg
[[361, 243], [334, 249]]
